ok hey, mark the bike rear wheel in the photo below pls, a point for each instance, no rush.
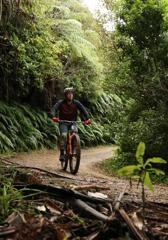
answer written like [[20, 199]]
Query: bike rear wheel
[[74, 160]]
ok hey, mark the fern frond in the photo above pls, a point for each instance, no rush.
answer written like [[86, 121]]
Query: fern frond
[[6, 142]]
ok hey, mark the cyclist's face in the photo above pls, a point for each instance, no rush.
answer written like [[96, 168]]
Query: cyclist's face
[[69, 96]]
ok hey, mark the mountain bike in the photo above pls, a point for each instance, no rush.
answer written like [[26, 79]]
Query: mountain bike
[[73, 148]]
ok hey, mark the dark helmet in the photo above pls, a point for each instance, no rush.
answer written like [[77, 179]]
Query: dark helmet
[[68, 89]]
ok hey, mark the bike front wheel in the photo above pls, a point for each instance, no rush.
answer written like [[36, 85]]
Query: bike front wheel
[[74, 160], [64, 163]]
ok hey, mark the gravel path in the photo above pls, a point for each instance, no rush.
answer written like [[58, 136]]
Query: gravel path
[[89, 173]]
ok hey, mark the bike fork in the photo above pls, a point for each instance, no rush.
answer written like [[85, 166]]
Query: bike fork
[[70, 144]]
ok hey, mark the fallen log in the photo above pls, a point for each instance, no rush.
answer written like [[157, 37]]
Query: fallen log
[[62, 194]]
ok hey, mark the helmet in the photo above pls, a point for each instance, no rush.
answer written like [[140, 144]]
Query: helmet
[[68, 89]]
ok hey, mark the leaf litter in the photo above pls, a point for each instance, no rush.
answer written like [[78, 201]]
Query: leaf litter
[[79, 209]]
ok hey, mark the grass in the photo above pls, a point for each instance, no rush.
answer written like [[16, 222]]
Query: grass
[[7, 154], [8, 197], [107, 166], [112, 165], [12, 199]]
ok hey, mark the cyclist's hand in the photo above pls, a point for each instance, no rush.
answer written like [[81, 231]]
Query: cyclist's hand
[[56, 120], [87, 122]]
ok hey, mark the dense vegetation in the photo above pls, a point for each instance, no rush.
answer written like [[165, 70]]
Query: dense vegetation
[[120, 76], [24, 128], [45, 47], [138, 57]]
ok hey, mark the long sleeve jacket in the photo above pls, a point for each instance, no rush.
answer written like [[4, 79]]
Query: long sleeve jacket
[[69, 112]]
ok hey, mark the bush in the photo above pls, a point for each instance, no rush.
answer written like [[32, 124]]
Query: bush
[[149, 126], [107, 110]]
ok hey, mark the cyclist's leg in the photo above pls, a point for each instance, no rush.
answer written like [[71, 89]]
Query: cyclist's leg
[[63, 139]]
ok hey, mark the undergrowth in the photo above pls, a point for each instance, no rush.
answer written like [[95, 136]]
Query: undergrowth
[[13, 200], [112, 165], [24, 128]]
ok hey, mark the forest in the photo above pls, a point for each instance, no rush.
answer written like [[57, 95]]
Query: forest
[[119, 75]]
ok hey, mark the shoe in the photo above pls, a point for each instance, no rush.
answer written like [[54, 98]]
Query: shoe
[[62, 157]]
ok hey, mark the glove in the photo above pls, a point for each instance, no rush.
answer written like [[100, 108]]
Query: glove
[[87, 122], [55, 119]]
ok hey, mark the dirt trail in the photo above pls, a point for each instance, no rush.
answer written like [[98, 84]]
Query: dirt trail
[[89, 172], [48, 160]]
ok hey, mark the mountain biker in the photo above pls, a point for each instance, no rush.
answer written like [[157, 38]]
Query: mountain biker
[[67, 109]]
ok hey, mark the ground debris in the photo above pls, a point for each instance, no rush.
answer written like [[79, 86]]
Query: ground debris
[[67, 211]]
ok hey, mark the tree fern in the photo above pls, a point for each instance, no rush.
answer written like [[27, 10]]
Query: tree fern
[[72, 31]]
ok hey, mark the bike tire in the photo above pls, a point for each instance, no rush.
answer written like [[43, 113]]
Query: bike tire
[[74, 160], [64, 164]]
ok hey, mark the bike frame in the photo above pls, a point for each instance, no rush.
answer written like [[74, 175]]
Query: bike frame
[[73, 158], [70, 134]]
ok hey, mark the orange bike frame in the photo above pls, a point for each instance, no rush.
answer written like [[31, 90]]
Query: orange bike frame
[[70, 143], [70, 136]]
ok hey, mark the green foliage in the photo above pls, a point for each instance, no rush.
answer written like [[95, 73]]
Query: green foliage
[[137, 69], [8, 196], [47, 45], [108, 109], [82, 66], [149, 126], [24, 128], [92, 134], [143, 169], [140, 67], [46, 42]]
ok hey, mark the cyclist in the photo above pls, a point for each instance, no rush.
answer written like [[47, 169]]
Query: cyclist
[[67, 109]]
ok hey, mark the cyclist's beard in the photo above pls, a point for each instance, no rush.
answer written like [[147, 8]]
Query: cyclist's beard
[[69, 100]]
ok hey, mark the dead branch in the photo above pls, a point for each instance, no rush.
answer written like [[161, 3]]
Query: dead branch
[[88, 187], [87, 211], [139, 235], [7, 231], [118, 200], [63, 194]]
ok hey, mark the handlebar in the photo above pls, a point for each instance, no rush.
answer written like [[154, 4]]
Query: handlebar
[[57, 120], [66, 121]]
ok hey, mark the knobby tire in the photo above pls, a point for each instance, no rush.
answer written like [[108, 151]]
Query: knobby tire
[[74, 160], [64, 164]]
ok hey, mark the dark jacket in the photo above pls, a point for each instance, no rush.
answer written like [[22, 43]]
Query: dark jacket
[[69, 112]]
